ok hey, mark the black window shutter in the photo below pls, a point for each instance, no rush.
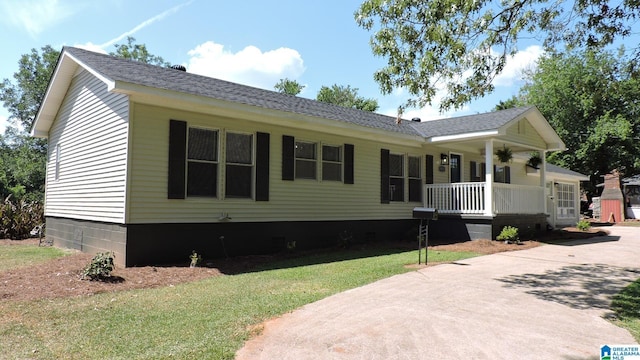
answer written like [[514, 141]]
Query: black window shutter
[[262, 166], [177, 159], [483, 168], [507, 175], [472, 166], [429, 166], [348, 164], [288, 158], [384, 176]]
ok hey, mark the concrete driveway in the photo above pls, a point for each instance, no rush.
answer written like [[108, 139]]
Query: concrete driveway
[[548, 302]]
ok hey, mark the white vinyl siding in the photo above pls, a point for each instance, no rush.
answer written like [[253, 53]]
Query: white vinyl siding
[[297, 200], [87, 162]]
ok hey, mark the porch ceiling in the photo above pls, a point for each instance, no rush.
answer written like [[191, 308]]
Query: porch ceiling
[[477, 145]]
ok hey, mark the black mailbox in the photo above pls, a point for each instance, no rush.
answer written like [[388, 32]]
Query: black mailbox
[[425, 213]]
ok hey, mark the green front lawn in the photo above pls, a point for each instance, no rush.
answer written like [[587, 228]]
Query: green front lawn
[[206, 319], [16, 256], [626, 306]]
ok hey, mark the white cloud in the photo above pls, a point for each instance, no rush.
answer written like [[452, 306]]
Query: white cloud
[[144, 24], [515, 65], [100, 48], [34, 16], [509, 77], [249, 66], [91, 47], [426, 113]]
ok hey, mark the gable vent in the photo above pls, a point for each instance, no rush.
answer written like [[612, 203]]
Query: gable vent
[[179, 67]]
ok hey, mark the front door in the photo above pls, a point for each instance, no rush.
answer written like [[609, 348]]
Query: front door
[[456, 168]]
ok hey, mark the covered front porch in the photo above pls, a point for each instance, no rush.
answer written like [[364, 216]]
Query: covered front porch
[[471, 198], [484, 176]]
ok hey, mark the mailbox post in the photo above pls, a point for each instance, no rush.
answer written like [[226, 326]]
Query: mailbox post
[[424, 214]]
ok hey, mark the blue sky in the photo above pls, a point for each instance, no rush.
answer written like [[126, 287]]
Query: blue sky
[[251, 42]]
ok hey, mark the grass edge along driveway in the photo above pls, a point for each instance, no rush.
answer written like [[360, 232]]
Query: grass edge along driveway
[[208, 319]]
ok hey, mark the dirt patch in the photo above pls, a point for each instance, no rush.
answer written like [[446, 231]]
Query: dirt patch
[[61, 277]]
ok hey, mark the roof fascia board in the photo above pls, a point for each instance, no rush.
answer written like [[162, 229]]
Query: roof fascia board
[[193, 103], [62, 76], [46, 114], [109, 82], [466, 136], [542, 126]]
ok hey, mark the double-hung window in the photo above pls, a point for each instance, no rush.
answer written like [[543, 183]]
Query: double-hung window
[[202, 162], [239, 165], [306, 160], [396, 177], [566, 200], [331, 163], [415, 180]]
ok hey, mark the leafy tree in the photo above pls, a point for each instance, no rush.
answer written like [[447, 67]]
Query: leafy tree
[[346, 96], [510, 103], [22, 158], [290, 87], [23, 97], [22, 164], [137, 52], [590, 98], [464, 44]]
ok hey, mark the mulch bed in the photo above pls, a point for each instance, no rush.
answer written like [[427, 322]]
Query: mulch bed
[[60, 277]]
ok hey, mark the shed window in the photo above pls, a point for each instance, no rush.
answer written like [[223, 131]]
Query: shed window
[[331, 163], [396, 177], [306, 158], [239, 165], [202, 162]]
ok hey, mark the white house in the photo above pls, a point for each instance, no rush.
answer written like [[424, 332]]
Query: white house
[[153, 162]]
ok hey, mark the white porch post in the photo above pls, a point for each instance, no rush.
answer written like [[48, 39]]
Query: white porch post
[[488, 173], [543, 178]]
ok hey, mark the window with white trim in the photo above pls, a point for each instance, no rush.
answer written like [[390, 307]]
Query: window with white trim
[[566, 203], [331, 163], [202, 162], [306, 160], [238, 165], [396, 177]]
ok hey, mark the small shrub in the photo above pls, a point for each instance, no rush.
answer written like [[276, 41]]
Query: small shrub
[[583, 225], [100, 267], [509, 235], [196, 259]]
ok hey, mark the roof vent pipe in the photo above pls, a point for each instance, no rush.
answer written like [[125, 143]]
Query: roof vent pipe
[[416, 119], [179, 67]]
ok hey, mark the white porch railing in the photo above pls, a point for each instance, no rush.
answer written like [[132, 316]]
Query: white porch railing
[[457, 198], [468, 198]]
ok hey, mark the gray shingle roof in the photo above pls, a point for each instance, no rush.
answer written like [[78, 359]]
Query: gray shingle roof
[[560, 170], [470, 123], [134, 72]]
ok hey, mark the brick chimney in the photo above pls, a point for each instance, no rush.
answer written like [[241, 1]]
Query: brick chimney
[[611, 200]]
